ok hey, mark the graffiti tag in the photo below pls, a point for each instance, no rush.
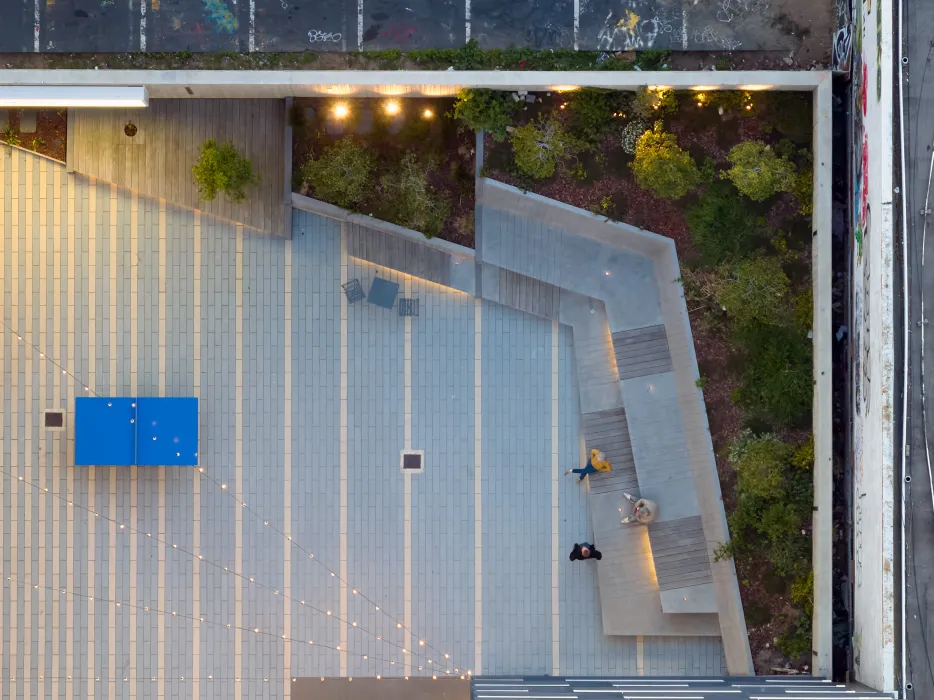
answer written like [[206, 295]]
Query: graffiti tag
[[316, 36], [709, 37]]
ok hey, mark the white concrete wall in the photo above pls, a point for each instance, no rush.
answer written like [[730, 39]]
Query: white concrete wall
[[872, 347]]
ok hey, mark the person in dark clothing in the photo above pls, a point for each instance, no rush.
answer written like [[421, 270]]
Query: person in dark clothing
[[584, 551]]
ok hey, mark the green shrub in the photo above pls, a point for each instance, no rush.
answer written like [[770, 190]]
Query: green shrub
[[630, 134], [591, 112], [662, 167], [804, 309], [796, 641], [485, 109], [790, 114], [776, 383], [757, 172], [410, 200], [343, 173], [802, 593], [803, 457], [222, 169], [755, 291], [654, 103], [538, 146], [11, 136], [760, 464], [803, 190], [722, 225]]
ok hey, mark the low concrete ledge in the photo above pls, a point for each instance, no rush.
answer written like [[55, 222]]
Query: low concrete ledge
[[426, 83], [451, 265]]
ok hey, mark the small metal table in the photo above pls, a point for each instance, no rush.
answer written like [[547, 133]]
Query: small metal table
[[383, 292]]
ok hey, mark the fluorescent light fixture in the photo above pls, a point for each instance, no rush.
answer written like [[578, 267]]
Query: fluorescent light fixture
[[73, 96]]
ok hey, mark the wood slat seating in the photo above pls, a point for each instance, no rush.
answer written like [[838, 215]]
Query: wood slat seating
[[679, 549]]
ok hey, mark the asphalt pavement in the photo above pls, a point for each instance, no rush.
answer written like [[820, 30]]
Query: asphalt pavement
[[105, 26], [919, 510]]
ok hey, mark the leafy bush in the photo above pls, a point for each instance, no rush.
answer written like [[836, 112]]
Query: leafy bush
[[803, 190], [722, 225], [757, 172], [343, 173], [803, 457], [538, 146], [796, 641], [773, 505], [777, 383], [802, 593], [755, 292], [11, 136], [222, 169], [652, 104], [410, 200], [485, 109], [760, 464], [630, 135], [662, 167], [591, 112]]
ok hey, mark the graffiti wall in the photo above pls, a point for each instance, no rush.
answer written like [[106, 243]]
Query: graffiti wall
[[872, 343]]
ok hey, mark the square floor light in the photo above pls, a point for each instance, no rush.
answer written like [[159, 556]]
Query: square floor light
[[412, 461], [53, 419]]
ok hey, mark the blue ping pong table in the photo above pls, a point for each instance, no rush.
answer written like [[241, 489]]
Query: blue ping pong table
[[142, 431]]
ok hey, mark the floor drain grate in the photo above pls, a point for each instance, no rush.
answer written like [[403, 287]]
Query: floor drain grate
[[53, 419], [413, 461]]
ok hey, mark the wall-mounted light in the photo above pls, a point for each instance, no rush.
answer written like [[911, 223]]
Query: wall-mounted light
[[340, 111], [392, 107]]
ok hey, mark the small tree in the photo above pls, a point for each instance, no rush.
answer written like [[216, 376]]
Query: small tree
[[343, 173], [761, 463], [652, 103], [223, 169], [411, 201], [485, 109], [757, 172], [755, 290], [591, 112], [723, 226], [777, 382], [538, 146], [662, 167]]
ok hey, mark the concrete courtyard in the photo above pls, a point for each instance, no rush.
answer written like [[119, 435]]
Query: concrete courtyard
[[305, 404]]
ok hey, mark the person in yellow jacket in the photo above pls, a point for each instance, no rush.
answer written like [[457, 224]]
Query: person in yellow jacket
[[596, 463]]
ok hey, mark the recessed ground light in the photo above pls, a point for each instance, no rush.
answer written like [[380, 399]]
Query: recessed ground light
[[53, 419], [412, 461]]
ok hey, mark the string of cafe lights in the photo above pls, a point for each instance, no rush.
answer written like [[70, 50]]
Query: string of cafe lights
[[250, 580], [223, 487], [78, 593]]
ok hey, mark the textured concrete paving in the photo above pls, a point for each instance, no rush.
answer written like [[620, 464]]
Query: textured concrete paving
[[132, 296]]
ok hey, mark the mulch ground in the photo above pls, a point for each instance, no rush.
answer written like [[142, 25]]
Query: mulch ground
[[50, 135]]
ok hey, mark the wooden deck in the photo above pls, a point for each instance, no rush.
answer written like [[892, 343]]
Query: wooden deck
[[398, 253], [157, 161], [642, 351], [608, 431]]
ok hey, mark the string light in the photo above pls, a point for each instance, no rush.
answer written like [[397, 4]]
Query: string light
[[223, 487], [214, 564], [76, 593]]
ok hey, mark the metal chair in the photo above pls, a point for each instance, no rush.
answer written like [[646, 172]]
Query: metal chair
[[408, 307], [353, 290]]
